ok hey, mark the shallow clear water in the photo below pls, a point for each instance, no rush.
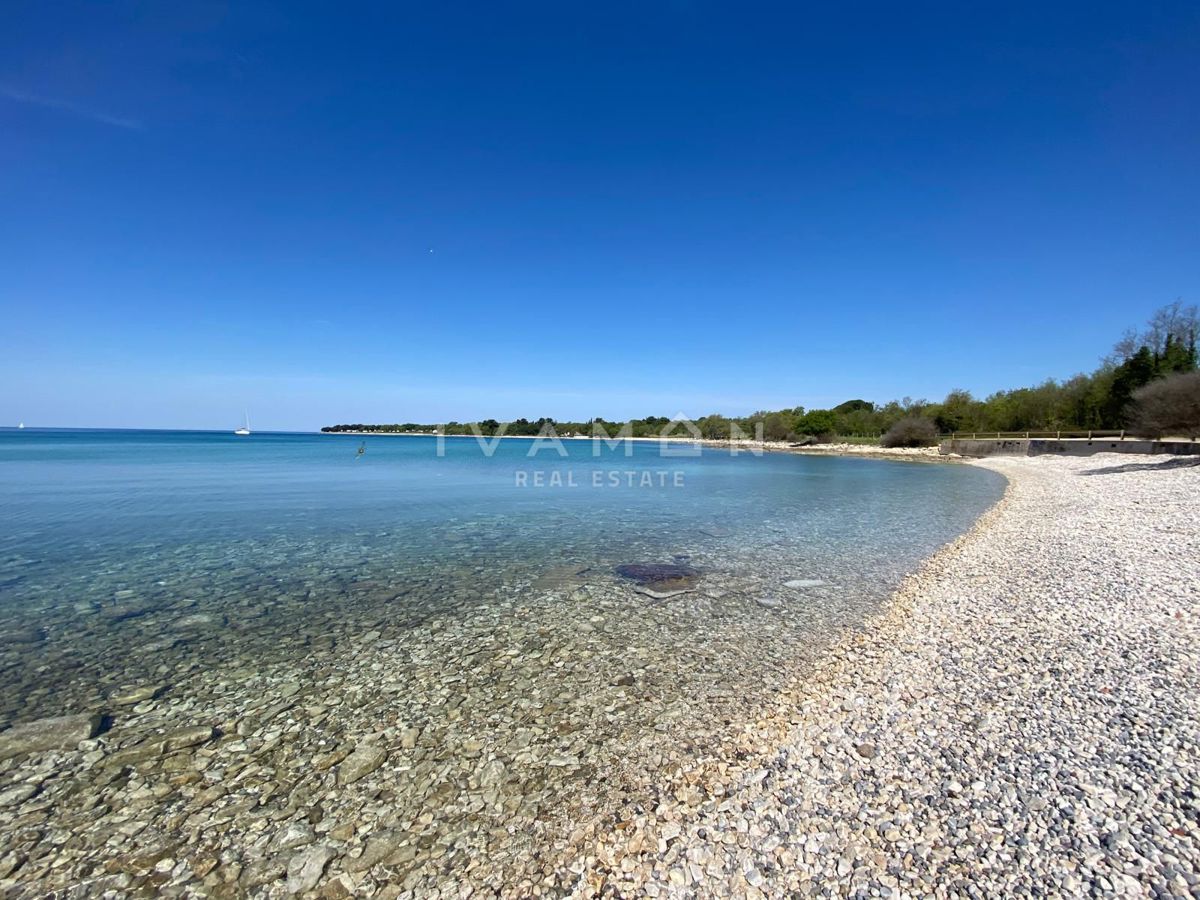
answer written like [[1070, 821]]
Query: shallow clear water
[[65, 489], [108, 538], [281, 602]]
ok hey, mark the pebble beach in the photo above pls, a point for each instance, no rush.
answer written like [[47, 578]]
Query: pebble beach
[[1020, 719], [1024, 720]]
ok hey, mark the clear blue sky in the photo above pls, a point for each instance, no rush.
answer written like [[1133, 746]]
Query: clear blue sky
[[632, 208]]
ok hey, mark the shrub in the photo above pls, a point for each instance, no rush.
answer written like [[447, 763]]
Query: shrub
[[1168, 406], [911, 431]]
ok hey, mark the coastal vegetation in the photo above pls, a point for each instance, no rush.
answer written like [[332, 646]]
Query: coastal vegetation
[[911, 431], [1138, 387], [1169, 405]]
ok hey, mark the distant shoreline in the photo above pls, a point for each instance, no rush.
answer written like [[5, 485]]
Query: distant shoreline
[[868, 451]]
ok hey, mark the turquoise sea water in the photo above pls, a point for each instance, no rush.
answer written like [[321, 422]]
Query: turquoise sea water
[[126, 553]]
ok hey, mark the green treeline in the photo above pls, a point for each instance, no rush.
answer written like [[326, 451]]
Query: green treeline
[[1099, 401]]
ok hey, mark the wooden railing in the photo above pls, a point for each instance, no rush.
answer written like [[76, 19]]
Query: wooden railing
[[1025, 435]]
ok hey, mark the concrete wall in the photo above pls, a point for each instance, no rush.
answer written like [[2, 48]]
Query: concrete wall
[[1077, 447], [984, 448]]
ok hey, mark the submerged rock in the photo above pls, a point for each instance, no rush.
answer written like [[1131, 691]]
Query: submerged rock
[[557, 578], [379, 847], [653, 573], [663, 595], [130, 696], [18, 794], [126, 610], [769, 602], [161, 745], [293, 835], [187, 737], [57, 733], [362, 762], [661, 580], [195, 620], [804, 583], [135, 755], [30, 635], [288, 689], [305, 868]]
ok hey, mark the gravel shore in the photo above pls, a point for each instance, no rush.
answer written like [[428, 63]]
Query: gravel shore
[[870, 451], [1024, 720]]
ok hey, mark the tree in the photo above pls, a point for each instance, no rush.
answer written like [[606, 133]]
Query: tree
[[776, 426], [958, 412], [1168, 406], [1075, 405], [1130, 375], [714, 427], [1170, 324], [1176, 357], [820, 423], [852, 406]]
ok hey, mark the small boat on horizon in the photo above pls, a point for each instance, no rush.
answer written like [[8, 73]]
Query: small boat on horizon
[[20, 425], [245, 429]]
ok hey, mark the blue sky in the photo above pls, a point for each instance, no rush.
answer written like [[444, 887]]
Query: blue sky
[[393, 212]]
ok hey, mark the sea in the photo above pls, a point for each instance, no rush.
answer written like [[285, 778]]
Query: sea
[[110, 539]]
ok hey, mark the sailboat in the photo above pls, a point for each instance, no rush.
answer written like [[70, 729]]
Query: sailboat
[[245, 429], [20, 424]]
